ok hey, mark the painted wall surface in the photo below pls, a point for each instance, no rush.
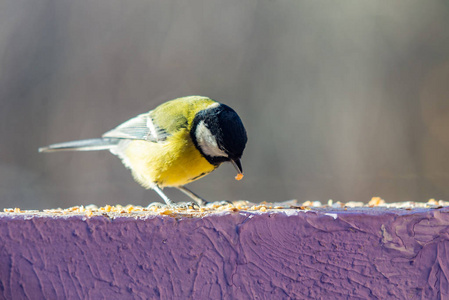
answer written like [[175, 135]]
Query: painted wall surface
[[371, 253]]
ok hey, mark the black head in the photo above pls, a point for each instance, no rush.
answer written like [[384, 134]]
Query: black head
[[219, 134]]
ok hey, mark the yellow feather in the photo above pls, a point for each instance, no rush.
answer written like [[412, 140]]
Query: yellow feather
[[175, 161]]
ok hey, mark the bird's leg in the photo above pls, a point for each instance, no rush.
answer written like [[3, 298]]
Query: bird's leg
[[163, 196], [200, 201]]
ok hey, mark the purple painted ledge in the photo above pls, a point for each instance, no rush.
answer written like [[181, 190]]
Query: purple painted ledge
[[326, 253]]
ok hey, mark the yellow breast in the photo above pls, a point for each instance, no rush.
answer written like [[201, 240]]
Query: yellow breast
[[174, 162]]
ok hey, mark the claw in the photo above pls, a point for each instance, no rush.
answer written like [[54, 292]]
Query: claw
[[218, 203]]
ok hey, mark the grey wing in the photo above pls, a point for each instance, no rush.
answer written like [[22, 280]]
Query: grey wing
[[141, 127]]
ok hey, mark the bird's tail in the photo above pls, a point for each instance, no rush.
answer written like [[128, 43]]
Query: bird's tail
[[82, 145]]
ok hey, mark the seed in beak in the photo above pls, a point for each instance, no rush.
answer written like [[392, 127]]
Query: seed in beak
[[238, 166]]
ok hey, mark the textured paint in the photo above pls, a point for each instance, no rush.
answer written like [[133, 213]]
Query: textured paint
[[364, 254]]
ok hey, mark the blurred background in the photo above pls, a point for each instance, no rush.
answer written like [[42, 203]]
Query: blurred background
[[342, 100]]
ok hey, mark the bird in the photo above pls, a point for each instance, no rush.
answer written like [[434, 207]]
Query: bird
[[178, 142]]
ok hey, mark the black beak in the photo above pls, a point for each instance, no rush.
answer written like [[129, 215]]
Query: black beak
[[238, 166]]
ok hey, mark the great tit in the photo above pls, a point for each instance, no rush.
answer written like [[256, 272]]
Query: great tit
[[174, 144]]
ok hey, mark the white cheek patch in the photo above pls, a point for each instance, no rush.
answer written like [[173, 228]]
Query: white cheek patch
[[207, 142]]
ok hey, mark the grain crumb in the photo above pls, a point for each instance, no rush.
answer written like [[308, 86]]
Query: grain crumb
[[376, 201]]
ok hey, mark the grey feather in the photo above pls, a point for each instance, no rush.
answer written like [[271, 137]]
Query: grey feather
[[82, 145], [141, 127]]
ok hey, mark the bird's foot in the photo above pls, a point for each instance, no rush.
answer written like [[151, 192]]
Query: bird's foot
[[157, 205], [188, 205], [217, 203]]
